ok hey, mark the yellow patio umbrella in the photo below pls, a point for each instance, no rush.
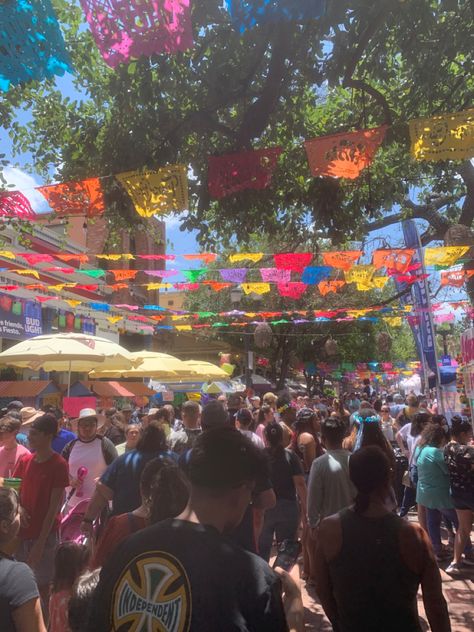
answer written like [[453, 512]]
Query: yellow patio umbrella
[[206, 370], [68, 352], [152, 364]]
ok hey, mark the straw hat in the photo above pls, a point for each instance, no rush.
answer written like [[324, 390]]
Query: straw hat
[[28, 414]]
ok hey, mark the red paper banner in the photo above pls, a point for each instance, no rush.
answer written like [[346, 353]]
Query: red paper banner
[[83, 197], [15, 204], [295, 261], [344, 155], [245, 170], [292, 290]]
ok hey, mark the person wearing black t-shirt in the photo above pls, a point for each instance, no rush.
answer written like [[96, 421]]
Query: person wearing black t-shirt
[[184, 573]]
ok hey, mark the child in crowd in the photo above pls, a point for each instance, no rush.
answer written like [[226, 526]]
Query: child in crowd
[[10, 450], [70, 561], [80, 601]]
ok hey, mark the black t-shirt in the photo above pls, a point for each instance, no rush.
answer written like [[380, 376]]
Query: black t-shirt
[[284, 464], [180, 576]]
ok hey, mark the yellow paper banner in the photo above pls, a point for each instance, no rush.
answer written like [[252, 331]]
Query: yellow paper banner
[[116, 257], [444, 256], [255, 288], [157, 192], [114, 319], [183, 327], [362, 275], [72, 302], [246, 256], [446, 137], [393, 321], [6, 254], [159, 286], [27, 272]]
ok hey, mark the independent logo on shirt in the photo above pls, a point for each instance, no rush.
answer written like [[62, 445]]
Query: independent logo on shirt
[[153, 593]]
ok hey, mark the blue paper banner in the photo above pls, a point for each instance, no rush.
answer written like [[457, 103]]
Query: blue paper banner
[[245, 14], [32, 46], [312, 275]]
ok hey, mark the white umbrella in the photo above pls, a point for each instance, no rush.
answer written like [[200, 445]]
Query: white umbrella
[[153, 364], [68, 352]]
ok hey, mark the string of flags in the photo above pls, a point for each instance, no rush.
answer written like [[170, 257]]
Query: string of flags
[[394, 260], [165, 190]]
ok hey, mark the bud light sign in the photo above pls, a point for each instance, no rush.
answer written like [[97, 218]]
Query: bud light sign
[[19, 319]]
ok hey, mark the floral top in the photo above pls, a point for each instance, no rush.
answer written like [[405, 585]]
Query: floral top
[[460, 461], [58, 611]]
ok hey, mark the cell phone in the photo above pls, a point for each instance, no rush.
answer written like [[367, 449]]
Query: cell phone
[[288, 553]]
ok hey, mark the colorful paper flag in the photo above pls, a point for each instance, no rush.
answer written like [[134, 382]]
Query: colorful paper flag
[[294, 261], [343, 260], [83, 197], [232, 173], [15, 204], [128, 29], [325, 287], [255, 288], [292, 290], [274, 275], [157, 192], [255, 257], [344, 155], [246, 14], [445, 255], [32, 44], [445, 137]]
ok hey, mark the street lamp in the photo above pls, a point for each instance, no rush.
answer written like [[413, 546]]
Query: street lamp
[[236, 295], [444, 332]]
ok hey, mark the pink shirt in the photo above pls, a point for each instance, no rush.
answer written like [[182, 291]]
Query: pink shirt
[[9, 458], [58, 611]]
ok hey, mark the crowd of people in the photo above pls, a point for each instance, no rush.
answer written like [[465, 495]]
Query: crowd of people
[[168, 518]]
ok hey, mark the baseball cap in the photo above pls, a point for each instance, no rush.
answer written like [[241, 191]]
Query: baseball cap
[[15, 404], [46, 423]]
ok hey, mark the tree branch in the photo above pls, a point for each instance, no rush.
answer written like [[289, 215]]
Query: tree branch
[[256, 117], [377, 96], [356, 56]]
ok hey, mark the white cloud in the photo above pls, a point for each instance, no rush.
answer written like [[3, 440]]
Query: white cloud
[[174, 221], [26, 183]]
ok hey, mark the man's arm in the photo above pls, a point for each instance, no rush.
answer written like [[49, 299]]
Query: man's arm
[[264, 500], [315, 496], [102, 495], [433, 599], [321, 570], [28, 617], [301, 490]]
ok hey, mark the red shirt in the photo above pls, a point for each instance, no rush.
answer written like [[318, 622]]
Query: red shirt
[[118, 528], [38, 481]]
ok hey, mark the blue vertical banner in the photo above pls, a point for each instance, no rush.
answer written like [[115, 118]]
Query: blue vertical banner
[[426, 343]]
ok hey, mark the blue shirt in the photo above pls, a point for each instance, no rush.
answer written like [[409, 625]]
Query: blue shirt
[[432, 490], [61, 440], [123, 477]]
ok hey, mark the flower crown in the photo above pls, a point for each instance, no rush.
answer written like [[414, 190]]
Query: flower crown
[[373, 419]]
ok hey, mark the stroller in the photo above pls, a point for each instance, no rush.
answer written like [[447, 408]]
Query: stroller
[[70, 527]]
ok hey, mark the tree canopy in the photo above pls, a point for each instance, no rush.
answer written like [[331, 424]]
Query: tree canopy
[[363, 64]]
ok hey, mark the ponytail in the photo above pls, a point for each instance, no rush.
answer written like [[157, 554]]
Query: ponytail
[[169, 493]]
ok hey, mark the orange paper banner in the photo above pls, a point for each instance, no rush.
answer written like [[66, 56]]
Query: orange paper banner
[[83, 197], [344, 155], [343, 260]]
